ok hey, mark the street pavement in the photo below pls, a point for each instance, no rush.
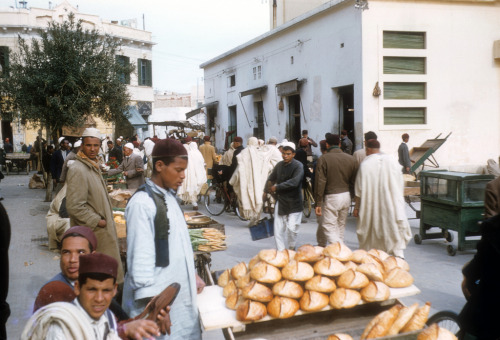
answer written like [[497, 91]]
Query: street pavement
[[436, 274]]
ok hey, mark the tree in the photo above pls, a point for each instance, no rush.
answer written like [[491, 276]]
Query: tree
[[65, 76]]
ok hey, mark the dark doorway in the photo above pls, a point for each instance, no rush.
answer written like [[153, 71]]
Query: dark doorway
[[210, 122], [346, 110], [7, 131], [232, 126], [258, 131], [293, 131]]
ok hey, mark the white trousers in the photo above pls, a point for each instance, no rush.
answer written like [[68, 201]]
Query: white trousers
[[286, 229], [331, 225]]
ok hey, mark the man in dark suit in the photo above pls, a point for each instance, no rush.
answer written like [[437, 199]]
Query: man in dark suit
[[58, 158]]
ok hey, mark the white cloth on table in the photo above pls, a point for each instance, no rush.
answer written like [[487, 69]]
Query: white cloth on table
[[144, 279], [286, 229], [196, 175], [382, 220]]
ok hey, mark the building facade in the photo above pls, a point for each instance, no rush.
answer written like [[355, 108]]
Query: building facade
[[392, 68], [136, 48]]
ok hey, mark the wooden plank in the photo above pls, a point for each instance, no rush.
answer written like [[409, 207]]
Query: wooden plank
[[411, 191], [215, 315]]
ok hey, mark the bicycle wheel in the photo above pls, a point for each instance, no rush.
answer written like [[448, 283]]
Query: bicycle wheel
[[446, 319], [215, 201], [237, 211], [307, 203]]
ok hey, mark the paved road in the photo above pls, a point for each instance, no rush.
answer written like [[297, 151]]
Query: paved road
[[436, 274]]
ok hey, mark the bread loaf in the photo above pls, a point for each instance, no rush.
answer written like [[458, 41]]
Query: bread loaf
[[313, 301], [340, 336], [266, 273], [321, 284], [297, 271], [353, 280], [274, 257], [253, 261], [309, 253], [350, 265], [282, 307], [434, 332], [375, 291], [230, 288], [369, 258], [234, 300], [243, 281], [224, 278], [339, 251], [329, 267], [344, 298], [398, 278], [291, 254], [404, 315], [257, 292], [379, 325], [418, 319], [288, 289], [239, 270], [357, 255], [382, 255], [371, 270], [251, 311], [392, 262]]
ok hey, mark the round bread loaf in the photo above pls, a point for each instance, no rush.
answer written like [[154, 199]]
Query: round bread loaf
[[266, 273], [382, 255], [309, 253], [369, 258], [251, 311], [357, 255], [282, 307], [243, 281], [339, 251], [353, 280], [274, 257], [321, 284], [392, 262], [297, 271], [288, 289], [253, 261], [329, 267], [230, 288], [234, 300], [224, 278], [375, 291], [239, 270], [371, 270], [398, 278], [350, 265], [344, 298], [313, 301], [257, 292], [340, 336]]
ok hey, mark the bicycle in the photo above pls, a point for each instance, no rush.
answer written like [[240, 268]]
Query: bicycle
[[307, 197], [217, 200]]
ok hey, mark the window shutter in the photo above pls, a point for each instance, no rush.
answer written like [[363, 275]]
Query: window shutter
[[149, 73], [404, 65], [407, 40], [404, 115], [139, 72], [404, 91]]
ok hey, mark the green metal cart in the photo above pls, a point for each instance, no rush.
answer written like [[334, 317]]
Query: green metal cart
[[451, 201]]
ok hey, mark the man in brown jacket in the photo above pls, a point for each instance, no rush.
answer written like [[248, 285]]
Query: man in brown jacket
[[335, 172], [87, 200], [209, 155], [492, 198]]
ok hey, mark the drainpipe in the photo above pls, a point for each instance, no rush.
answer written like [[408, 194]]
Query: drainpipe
[[274, 13]]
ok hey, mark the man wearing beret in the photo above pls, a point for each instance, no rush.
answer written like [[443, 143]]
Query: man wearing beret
[[87, 200], [159, 249], [88, 316], [132, 167]]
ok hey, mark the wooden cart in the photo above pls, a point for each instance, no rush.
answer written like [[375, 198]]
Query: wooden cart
[[317, 325], [19, 161]]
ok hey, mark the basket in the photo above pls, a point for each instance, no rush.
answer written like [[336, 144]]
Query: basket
[[263, 229]]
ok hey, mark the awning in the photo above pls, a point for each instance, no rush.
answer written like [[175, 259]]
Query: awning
[[198, 110], [253, 91], [289, 87], [135, 118]]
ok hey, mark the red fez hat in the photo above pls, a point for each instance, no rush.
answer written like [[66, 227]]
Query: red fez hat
[[168, 148], [206, 138], [55, 291], [98, 263], [188, 139], [84, 232], [238, 139]]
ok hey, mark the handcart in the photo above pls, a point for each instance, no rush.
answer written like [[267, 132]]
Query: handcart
[[451, 201], [419, 155], [19, 161]]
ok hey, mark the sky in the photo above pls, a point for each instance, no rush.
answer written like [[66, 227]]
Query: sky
[[186, 32]]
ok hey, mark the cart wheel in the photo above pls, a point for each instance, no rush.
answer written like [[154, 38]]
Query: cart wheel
[[417, 238], [448, 236], [451, 250], [446, 319]]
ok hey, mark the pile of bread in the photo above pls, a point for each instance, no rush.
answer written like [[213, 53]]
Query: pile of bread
[[279, 283]]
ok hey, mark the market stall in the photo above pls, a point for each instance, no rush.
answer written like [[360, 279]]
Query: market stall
[[19, 161]]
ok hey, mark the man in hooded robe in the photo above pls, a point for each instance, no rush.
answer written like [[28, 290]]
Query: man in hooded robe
[[195, 175]]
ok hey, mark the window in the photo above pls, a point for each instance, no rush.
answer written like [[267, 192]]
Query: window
[[258, 130], [404, 115], [4, 61], [144, 71], [125, 62], [404, 90], [406, 40], [231, 81], [257, 72], [404, 65], [231, 126]]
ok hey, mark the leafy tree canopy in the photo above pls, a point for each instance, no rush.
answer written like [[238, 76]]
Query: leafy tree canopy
[[64, 76]]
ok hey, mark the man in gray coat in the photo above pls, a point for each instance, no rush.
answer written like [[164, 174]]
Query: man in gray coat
[[132, 167], [404, 154]]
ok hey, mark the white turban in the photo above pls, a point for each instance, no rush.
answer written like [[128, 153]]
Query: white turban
[[130, 146], [78, 143], [91, 132]]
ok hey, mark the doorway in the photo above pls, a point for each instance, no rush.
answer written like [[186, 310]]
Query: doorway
[[258, 130], [231, 126], [7, 131], [346, 110], [293, 131]]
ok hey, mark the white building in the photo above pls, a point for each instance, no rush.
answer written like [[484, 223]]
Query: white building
[[420, 67], [136, 48]]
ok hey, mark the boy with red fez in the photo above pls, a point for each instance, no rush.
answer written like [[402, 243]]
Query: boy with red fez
[[159, 249]]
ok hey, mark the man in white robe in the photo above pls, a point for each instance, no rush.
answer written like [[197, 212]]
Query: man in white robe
[[196, 175], [380, 205]]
